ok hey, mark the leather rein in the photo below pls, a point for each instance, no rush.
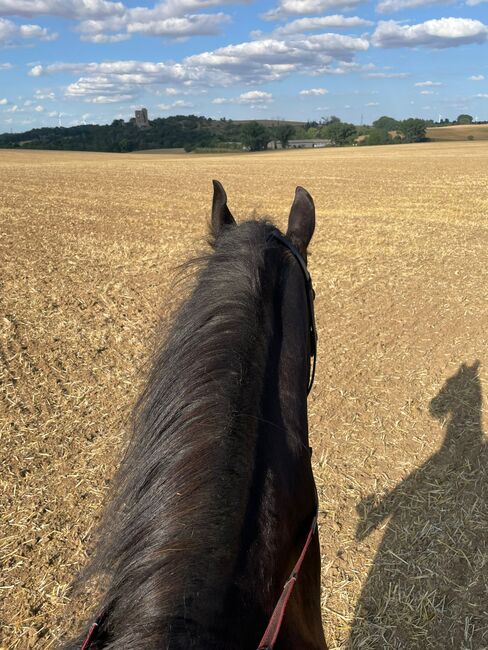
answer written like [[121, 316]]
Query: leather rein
[[274, 625]]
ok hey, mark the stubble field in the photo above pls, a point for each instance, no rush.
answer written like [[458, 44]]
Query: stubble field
[[89, 244]]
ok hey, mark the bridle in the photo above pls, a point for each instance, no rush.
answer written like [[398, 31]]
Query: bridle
[[274, 625], [312, 330]]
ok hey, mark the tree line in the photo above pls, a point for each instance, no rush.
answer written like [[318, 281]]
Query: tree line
[[197, 133]]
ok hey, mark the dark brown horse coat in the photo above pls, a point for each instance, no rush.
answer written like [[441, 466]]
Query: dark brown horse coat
[[215, 495]]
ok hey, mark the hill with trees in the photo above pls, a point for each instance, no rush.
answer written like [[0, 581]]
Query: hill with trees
[[201, 134]]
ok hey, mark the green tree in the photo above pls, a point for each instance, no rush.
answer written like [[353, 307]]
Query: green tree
[[464, 119], [413, 129], [283, 133], [330, 120], [378, 136], [340, 133], [386, 123], [255, 136], [313, 132]]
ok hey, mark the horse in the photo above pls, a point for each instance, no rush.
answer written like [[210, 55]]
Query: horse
[[215, 502]]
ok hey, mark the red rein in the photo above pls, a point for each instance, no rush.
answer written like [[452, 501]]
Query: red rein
[[274, 625]]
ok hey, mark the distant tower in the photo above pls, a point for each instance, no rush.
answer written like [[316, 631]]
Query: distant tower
[[142, 120]]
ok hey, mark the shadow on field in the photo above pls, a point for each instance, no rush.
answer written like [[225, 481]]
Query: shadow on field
[[428, 585]]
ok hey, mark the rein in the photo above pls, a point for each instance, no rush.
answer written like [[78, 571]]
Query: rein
[[274, 625]]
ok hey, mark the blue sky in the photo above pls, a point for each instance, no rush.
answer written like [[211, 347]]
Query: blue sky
[[73, 61]]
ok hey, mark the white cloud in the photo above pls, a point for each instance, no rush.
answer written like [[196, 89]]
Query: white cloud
[[482, 95], [104, 38], [180, 103], [388, 75], [426, 92], [109, 99], [170, 19], [179, 27], [44, 94], [336, 21], [12, 35], [75, 9], [313, 92], [253, 97], [437, 34], [6, 66], [100, 18], [39, 109], [427, 84], [269, 59], [389, 6], [373, 104], [249, 62], [304, 7], [35, 71], [477, 77], [3, 101]]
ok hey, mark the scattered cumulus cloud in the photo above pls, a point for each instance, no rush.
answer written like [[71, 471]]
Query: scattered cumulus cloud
[[3, 102], [337, 21], [477, 77], [13, 35], [437, 34], [427, 84], [390, 6], [180, 103], [254, 98], [313, 92], [105, 21], [169, 19], [388, 75], [44, 94], [304, 7], [248, 62], [75, 9], [104, 38]]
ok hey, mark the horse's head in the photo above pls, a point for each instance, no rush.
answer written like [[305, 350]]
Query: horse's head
[[460, 394], [285, 280], [301, 222]]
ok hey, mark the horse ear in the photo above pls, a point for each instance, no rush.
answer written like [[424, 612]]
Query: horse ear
[[301, 222], [221, 215]]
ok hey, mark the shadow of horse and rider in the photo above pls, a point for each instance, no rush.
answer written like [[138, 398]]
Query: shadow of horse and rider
[[428, 585]]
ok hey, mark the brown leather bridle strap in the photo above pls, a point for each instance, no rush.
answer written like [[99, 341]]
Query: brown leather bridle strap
[[274, 625]]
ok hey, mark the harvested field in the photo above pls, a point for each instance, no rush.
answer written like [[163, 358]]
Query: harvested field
[[458, 132], [88, 247]]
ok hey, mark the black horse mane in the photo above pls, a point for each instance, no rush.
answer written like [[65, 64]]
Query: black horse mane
[[170, 535]]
